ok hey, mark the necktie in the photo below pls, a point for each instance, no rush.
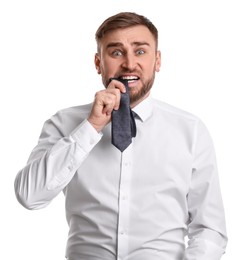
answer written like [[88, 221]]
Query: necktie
[[122, 121]]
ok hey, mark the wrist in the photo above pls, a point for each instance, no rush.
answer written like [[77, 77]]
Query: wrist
[[94, 125]]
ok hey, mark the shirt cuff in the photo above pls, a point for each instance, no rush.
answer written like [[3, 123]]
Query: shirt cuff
[[202, 249], [86, 136]]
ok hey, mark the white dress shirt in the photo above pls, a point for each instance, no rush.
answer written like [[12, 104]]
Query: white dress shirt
[[135, 205]]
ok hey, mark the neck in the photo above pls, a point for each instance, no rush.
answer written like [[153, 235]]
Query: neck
[[133, 104]]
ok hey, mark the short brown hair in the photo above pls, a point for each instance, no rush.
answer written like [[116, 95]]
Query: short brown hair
[[124, 20]]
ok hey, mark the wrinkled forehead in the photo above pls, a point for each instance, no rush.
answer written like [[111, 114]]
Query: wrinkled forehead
[[131, 36]]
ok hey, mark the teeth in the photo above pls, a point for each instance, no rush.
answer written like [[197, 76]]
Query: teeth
[[130, 77]]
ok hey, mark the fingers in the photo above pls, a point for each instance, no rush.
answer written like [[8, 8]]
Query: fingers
[[105, 101], [112, 95], [108, 100], [117, 85]]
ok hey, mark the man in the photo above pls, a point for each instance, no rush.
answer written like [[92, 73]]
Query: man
[[140, 203]]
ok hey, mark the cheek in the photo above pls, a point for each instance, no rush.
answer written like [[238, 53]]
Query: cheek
[[109, 70], [149, 70]]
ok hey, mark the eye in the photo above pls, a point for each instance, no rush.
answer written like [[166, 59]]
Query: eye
[[117, 53], [140, 52]]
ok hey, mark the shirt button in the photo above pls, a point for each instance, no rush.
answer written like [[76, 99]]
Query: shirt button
[[122, 232], [127, 164]]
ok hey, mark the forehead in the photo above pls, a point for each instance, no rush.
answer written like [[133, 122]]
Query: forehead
[[128, 36]]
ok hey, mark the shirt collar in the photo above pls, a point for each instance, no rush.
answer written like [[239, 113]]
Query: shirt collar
[[144, 109]]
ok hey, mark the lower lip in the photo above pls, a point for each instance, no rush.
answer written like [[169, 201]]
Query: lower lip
[[132, 83]]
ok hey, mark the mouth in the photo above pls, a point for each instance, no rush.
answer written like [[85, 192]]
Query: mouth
[[130, 79]]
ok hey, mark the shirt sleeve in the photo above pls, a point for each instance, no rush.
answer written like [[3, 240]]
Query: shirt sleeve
[[206, 227], [53, 163]]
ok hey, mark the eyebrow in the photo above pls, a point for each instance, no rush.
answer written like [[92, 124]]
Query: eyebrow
[[119, 44]]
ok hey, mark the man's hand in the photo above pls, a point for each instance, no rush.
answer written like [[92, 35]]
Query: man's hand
[[105, 101]]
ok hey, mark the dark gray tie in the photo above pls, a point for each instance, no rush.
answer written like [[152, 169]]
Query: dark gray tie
[[123, 122]]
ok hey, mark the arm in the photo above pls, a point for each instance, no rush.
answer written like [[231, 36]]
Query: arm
[[56, 158], [53, 163], [206, 227]]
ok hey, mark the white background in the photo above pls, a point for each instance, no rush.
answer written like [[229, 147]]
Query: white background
[[46, 64]]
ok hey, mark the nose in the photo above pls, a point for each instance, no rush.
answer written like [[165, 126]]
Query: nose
[[129, 62]]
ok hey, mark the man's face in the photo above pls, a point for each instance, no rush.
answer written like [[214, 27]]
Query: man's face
[[130, 54]]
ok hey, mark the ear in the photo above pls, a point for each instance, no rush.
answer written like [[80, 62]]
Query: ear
[[97, 63], [158, 61]]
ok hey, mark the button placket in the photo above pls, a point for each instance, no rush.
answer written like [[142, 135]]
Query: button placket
[[124, 203]]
